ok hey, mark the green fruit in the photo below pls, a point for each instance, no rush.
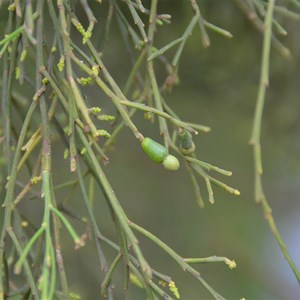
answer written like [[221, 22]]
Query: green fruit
[[154, 150], [187, 151], [171, 163], [187, 145]]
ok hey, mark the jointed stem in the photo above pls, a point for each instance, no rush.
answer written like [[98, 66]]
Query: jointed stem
[[177, 258], [256, 137], [44, 246]]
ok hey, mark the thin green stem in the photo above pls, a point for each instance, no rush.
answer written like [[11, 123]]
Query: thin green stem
[[208, 166], [137, 20], [115, 99], [29, 275], [67, 53], [212, 259], [178, 123], [117, 208], [196, 187], [92, 219], [177, 258], [68, 226], [256, 137], [201, 21], [59, 258], [150, 67], [8, 202], [109, 274], [26, 250], [11, 36]]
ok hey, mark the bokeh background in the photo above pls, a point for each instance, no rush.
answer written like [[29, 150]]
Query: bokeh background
[[218, 88]]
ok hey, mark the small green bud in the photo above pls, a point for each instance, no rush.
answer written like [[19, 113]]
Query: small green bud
[[23, 55], [162, 283], [135, 280], [78, 26], [61, 64], [95, 110], [153, 49], [24, 223], [148, 115], [35, 179], [12, 7], [86, 36], [95, 70], [74, 296], [17, 72], [66, 153], [171, 163], [45, 80], [159, 22]]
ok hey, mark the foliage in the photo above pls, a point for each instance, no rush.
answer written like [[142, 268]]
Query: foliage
[[59, 67]]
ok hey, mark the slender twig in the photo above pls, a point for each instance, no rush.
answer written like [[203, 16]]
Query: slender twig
[[256, 137], [57, 93], [8, 203], [137, 20], [177, 258], [109, 274], [111, 95], [189, 126], [117, 208], [92, 219], [29, 274], [150, 67]]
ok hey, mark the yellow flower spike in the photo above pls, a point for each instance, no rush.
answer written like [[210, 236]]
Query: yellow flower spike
[[102, 132], [85, 80], [105, 117], [231, 263], [174, 289]]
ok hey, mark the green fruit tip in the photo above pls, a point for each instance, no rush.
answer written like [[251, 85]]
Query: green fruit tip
[[171, 163]]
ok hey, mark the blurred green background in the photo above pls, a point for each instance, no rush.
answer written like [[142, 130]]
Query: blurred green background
[[217, 88]]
